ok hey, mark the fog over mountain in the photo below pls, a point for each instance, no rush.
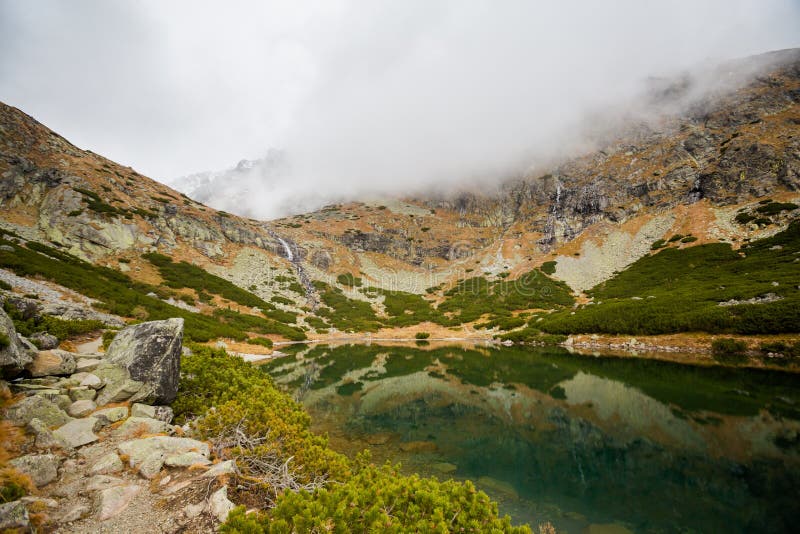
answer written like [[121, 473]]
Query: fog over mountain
[[360, 98]]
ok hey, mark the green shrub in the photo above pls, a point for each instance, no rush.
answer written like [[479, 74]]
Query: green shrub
[[183, 274], [679, 290], [120, 295], [660, 243], [744, 218], [5, 285], [282, 300], [422, 335], [676, 237], [60, 328], [4, 341], [246, 398], [689, 239], [263, 341], [108, 337], [774, 208], [728, 347], [549, 267], [379, 499], [347, 279]]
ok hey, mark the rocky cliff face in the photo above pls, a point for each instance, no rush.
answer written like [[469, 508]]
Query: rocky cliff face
[[685, 171]]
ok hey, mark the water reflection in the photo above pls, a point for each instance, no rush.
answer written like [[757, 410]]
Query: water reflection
[[648, 446]]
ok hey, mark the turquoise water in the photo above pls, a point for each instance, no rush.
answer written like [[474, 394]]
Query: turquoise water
[[634, 445]]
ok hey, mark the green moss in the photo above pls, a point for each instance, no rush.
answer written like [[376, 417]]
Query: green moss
[[422, 335]]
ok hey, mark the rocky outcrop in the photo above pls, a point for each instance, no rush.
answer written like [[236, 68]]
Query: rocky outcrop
[[90, 464], [14, 356], [150, 352]]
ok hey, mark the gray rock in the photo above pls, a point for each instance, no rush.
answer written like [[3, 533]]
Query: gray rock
[[223, 468], [193, 510], [118, 392], [101, 482], [162, 413], [44, 341], [63, 401], [112, 501], [52, 362], [87, 364], [14, 515], [37, 407], [141, 425], [91, 381], [219, 505], [44, 438], [42, 468], [151, 466], [77, 432], [151, 353], [111, 415], [82, 408], [14, 356], [82, 393], [110, 463], [110, 373], [73, 513], [139, 449], [186, 459]]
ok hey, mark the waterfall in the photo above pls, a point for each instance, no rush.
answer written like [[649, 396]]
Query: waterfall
[[287, 249]]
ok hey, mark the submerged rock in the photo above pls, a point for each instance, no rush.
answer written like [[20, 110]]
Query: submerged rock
[[151, 353]]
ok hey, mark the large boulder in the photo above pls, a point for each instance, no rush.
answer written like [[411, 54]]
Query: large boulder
[[151, 352], [52, 362], [14, 355]]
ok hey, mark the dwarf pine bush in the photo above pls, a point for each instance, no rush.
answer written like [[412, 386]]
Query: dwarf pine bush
[[379, 499]]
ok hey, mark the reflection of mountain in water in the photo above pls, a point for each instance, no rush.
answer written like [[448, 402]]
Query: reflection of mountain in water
[[657, 445]]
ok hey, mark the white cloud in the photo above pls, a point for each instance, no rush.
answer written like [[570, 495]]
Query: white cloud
[[364, 96]]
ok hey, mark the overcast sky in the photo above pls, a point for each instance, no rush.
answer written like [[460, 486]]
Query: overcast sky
[[362, 94]]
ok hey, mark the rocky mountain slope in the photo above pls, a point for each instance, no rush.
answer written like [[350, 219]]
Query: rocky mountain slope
[[698, 173]]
